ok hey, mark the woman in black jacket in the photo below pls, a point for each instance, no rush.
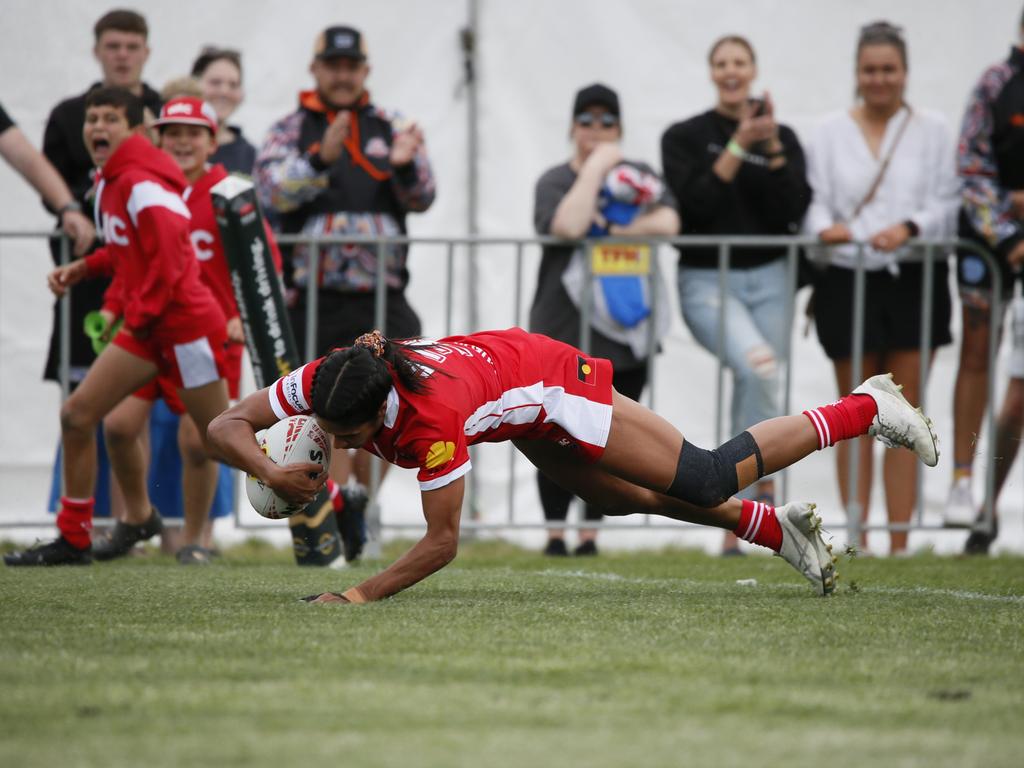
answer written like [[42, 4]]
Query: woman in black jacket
[[734, 170]]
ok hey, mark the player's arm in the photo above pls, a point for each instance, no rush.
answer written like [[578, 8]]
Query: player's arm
[[442, 508], [233, 437]]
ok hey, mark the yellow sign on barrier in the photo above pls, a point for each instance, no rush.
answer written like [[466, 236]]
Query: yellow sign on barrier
[[621, 259]]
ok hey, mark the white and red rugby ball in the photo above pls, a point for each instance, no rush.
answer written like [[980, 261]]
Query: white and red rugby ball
[[295, 440]]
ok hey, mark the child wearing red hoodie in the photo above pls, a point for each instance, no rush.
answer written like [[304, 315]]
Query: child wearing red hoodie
[[173, 324]]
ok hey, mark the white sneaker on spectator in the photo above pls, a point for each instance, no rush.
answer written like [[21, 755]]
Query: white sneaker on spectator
[[959, 511], [897, 421], [803, 547]]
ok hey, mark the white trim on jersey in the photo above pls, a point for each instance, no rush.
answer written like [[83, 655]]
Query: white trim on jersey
[[96, 218], [149, 194], [583, 419], [443, 480], [391, 411], [196, 363], [515, 406], [294, 401]]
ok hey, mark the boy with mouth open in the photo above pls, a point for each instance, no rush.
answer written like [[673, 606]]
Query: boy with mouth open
[[173, 325]]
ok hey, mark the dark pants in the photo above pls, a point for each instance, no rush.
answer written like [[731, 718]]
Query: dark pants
[[554, 498], [342, 317]]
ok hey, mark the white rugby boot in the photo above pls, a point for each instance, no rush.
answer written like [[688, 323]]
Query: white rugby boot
[[959, 512], [804, 548], [897, 421]]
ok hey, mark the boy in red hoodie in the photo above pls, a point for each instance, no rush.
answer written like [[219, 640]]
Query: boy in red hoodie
[[173, 325], [187, 128]]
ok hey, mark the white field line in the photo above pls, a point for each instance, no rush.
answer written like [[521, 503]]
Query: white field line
[[690, 583]]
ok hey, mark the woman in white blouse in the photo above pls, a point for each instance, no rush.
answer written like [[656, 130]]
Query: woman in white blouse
[[882, 173]]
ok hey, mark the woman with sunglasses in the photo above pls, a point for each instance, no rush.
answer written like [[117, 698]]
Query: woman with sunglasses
[[735, 171], [566, 204], [219, 73]]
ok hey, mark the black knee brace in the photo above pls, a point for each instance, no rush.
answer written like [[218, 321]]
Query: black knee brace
[[707, 478]]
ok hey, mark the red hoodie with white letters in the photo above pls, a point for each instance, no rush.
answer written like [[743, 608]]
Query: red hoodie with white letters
[[145, 226]]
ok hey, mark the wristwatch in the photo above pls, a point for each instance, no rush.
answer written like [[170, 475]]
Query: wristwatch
[[74, 205]]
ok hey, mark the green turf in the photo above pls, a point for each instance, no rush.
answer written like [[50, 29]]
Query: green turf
[[509, 659]]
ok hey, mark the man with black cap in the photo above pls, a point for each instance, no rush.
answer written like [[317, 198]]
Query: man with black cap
[[574, 200], [340, 165]]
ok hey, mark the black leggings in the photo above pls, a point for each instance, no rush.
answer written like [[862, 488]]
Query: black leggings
[[555, 499]]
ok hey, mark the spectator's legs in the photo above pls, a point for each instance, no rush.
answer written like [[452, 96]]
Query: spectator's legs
[[969, 392], [756, 330], [554, 500], [865, 466], [1009, 431], [899, 468]]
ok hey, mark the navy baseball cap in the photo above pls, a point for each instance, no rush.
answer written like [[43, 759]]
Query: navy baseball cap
[[597, 94]]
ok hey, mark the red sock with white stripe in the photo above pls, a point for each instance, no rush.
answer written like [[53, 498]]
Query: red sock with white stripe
[[74, 521], [758, 525], [848, 417]]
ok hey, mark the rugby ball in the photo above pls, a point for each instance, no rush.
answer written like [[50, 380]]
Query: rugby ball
[[294, 440]]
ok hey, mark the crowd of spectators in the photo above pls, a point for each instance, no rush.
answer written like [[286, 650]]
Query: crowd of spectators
[[870, 181]]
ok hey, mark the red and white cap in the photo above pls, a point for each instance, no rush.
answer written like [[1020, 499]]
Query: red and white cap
[[188, 110]]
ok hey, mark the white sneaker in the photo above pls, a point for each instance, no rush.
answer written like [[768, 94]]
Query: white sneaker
[[803, 547], [959, 506], [897, 421]]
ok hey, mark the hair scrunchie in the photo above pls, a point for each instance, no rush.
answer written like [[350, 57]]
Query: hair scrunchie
[[373, 341]]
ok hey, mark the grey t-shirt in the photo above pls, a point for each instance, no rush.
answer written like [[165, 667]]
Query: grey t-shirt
[[553, 312]]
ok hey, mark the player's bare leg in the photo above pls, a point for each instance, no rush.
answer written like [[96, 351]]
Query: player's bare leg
[[794, 533]]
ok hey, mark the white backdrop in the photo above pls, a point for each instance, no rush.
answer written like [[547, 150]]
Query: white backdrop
[[533, 55]]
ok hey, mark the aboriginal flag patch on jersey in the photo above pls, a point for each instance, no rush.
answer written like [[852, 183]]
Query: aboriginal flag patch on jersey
[[586, 371]]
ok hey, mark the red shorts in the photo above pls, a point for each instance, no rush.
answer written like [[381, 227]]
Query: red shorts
[[181, 364], [577, 399]]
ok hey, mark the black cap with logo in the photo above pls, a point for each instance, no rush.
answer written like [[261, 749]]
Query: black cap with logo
[[340, 42]]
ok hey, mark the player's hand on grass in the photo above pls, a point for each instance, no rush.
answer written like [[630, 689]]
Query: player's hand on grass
[[333, 141], [326, 597], [62, 278], [296, 483], [236, 335]]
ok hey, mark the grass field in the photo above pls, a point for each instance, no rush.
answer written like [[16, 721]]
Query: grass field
[[508, 659]]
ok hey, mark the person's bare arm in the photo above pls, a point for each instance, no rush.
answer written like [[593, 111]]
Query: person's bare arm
[[662, 220], [233, 436], [37, 171], [442, 509], [576, 211]]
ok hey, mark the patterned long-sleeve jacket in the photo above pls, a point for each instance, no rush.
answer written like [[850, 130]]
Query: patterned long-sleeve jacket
[[360, 193], [990, 156]]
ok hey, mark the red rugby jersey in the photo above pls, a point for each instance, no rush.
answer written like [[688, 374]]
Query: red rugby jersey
[[485, 387]]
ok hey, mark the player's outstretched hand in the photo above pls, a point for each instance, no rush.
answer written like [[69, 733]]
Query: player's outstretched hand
[[298, 483], [62, 278]]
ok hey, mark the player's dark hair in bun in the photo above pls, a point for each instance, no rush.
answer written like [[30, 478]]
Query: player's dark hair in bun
[[351, 383]]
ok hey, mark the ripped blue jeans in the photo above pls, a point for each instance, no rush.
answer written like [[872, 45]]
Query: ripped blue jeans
[[756, 328]]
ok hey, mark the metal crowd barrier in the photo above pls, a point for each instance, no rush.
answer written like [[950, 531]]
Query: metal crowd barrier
[[926, 251]]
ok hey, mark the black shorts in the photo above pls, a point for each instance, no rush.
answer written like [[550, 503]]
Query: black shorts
[[892, 309], [342, 317], [973, 273]]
